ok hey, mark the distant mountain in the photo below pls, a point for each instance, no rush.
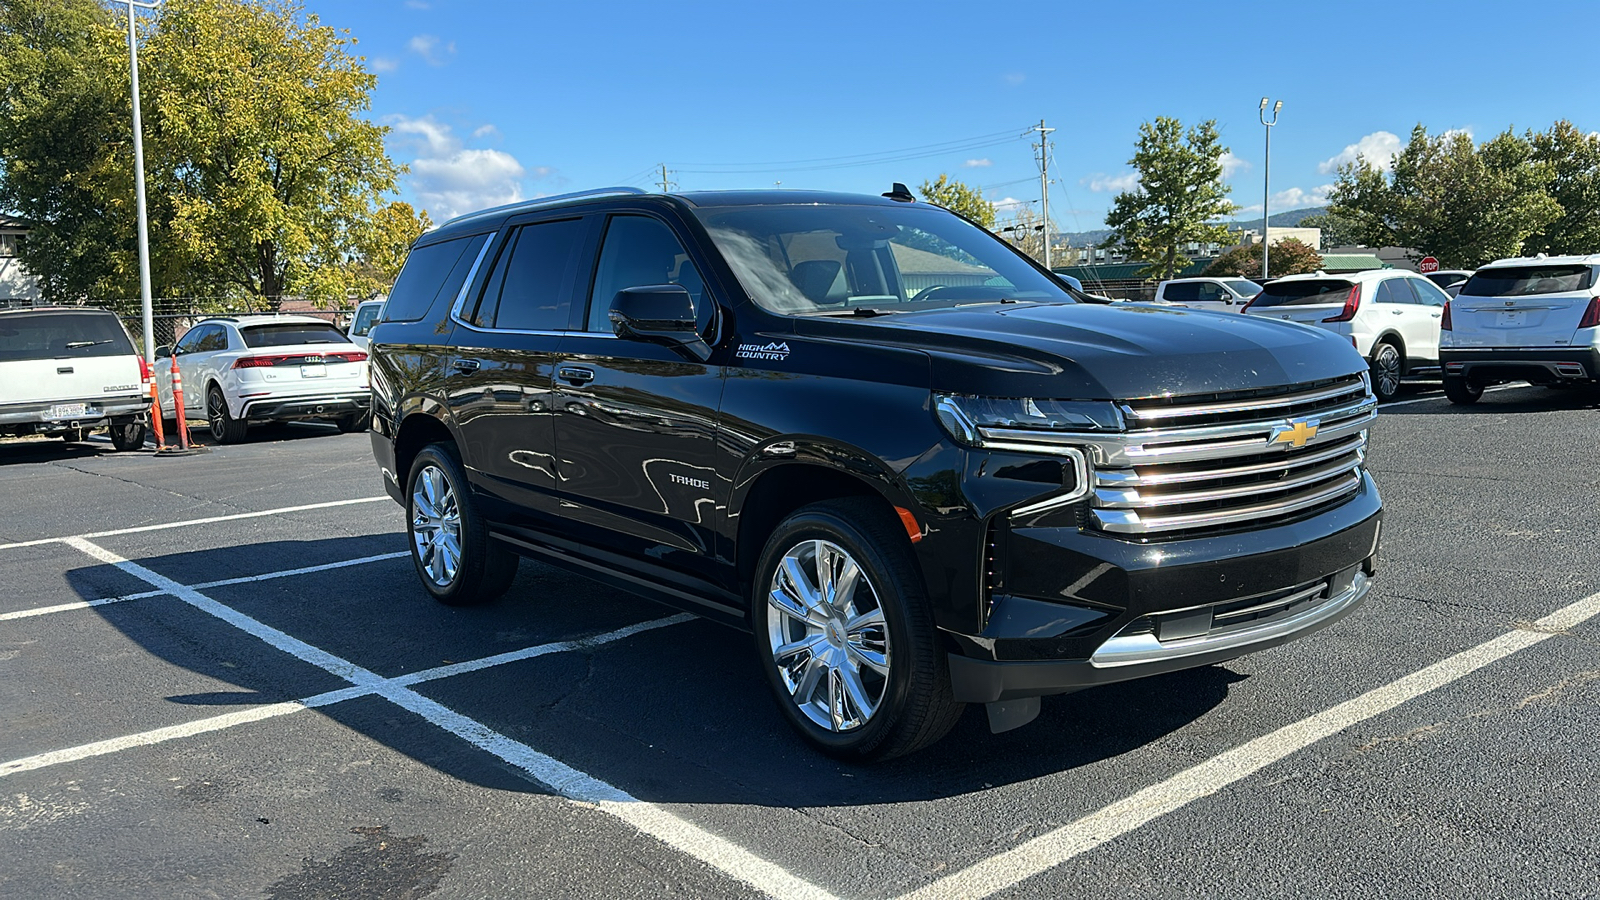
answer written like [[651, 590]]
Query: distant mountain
[[1289, 219]]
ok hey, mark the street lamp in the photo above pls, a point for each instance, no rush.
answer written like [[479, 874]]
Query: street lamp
[[1266, 186], [145, 308]]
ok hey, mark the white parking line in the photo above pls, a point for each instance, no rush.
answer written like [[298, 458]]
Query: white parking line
[[1049, 850], [681, 834], [247, 579], [187, 522]]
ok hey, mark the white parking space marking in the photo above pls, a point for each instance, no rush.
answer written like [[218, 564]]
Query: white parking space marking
[[1049, 850], [247, 579], [1493, 390], [187, 522], [258, 713], [687, 837], [76, 604]]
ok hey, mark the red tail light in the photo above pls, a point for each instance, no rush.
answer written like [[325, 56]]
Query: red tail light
[[1444, 320], [145, 372], [1352, 302], [353, 356], [1591, 316], [298, 359]]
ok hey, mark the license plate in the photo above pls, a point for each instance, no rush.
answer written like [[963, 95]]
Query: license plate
[[314, 371], [67, 411], [1512, 319]]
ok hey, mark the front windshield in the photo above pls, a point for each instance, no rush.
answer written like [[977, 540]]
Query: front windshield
[[1243, 288], [841, 260]]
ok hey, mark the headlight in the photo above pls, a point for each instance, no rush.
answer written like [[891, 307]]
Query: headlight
[[1023, 423]]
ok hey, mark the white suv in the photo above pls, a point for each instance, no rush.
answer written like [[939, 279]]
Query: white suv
[[1215, 294], [1531, 319], [1392, 318], [66, 371], [253, 369], [366, 316]]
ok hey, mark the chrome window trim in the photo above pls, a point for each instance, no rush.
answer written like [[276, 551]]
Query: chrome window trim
[[472, 275], [466, 288]]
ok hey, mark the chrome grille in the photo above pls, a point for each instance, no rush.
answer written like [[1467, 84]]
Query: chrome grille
[[1214, 461]]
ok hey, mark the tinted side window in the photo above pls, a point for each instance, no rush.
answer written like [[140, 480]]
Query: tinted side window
[[191, 340], [429, 273], [1212, 293], [213, 340], [1395, 290], [1429, 293], [531, 284], [639, 251], [1182, 292]]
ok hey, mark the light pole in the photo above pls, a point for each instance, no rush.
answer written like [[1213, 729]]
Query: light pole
[[1266, 181], [145, 307]]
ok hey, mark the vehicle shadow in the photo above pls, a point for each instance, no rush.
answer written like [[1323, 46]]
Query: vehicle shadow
[[200, 432], [52, 449], [675, 714], [1522, 398]]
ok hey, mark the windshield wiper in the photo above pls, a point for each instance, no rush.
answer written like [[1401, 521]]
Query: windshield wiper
[[77, 345]]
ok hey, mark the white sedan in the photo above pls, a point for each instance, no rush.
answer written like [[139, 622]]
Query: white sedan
[[239, 370]]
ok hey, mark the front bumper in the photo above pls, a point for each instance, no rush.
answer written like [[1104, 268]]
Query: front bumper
[[1548, 365], [332, 406], [1084, 609]]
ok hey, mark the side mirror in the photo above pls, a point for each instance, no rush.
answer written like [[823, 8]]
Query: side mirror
[[163, 352], [659, 314]]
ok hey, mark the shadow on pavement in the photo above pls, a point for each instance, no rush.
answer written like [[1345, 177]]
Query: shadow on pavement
[[677, 714]]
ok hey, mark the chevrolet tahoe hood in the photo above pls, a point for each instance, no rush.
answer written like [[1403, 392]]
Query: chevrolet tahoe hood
[[1083, 351]]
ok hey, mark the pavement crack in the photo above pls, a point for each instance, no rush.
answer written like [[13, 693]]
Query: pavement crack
[[1551, 693]]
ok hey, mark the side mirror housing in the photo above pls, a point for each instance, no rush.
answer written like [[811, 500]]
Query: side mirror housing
[[659, 314], [163, 352]]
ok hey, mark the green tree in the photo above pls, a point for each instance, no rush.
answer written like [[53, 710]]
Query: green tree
[[1465, 204], [1337, 231], [959, 198], [1290, 256], [1180, 195], [66, 144], [382, 243], [265, 177], [271, 168], [1573, 158]]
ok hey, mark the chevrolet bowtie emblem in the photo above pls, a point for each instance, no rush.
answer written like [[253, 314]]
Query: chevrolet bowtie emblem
[[1295, 434]]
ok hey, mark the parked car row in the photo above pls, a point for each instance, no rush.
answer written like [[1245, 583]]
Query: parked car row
[[67, 372]]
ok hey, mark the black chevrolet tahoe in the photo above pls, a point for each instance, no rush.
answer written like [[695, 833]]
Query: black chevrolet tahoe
[[875, 436]]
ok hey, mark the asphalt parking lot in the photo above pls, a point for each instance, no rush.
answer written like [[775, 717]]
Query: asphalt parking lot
[[219, 678]]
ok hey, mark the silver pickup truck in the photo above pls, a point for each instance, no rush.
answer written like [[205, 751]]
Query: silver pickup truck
[[67, 371]]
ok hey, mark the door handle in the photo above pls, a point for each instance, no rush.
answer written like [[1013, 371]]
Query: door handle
[[1436, 315], [465, 366], [578, 375], [1397, 312]]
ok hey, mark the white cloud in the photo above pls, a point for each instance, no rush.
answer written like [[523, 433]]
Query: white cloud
[[1015, 78], [978, 163], [485, 130], [382, 64], [1293, 198], [432, 51], [448, 178], [1452, 132], [1101, 182], [1377, 148], [1232, 164], [1009, 205]]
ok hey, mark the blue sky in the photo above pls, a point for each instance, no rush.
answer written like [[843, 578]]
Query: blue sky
[[496, 101]]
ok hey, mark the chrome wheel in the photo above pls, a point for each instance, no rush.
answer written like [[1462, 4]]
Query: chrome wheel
[[828, 636], [1386, 371], [436, 526], [217, 415]]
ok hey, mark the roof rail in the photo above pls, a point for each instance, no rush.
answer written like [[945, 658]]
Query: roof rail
[[541, 202]]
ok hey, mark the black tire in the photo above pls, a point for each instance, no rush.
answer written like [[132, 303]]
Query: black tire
[[1387, 367], [915, 705], [225, 429], [351, 423], [485, 568], [1461, 391], [127, 434]]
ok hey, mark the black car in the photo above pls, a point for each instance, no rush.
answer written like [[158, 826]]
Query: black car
[[874, 435]]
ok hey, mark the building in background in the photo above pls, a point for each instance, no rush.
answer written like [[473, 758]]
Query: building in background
[[17, 286]]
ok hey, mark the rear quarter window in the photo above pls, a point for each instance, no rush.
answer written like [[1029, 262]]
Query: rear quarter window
[[1523, 281], [62, 336], [1303, 293], [430, 273]]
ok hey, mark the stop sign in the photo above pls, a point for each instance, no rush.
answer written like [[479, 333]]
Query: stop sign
[[1428, 264]]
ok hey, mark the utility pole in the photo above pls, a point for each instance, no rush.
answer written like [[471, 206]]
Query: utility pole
[[1266, 186], [1044, 184], [145, 306], [667, 184]]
